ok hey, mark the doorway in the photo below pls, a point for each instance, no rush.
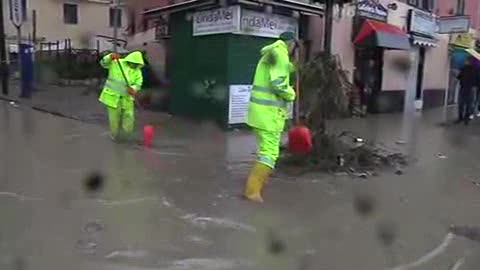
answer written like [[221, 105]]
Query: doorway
[[369, 65]]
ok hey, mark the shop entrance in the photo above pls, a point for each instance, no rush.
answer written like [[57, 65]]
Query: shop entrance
[[369, 66]]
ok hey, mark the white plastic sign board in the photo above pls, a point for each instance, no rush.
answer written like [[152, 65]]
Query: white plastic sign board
[[239, 97], [240, 21], [238, 103], [266, 25], [453, 24], [216, 21], [16, 12]]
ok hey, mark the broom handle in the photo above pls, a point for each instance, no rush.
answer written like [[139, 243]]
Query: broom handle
[[127, 83], [297, 86]]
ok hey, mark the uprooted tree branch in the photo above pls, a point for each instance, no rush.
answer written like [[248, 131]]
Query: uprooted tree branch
[[325, 92]]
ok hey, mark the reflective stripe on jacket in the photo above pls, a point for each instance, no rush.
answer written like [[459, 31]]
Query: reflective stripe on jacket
[[271, 91]]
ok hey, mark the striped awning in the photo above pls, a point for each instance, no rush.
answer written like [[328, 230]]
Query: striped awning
[[379, 34]]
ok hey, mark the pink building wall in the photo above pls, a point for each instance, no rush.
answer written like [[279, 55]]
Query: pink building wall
[[436, 61]]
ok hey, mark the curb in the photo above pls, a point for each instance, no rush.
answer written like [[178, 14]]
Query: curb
[[43, 110]]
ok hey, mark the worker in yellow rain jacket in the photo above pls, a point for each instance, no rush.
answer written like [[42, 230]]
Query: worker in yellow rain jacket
[[118, 95], [268, 108]]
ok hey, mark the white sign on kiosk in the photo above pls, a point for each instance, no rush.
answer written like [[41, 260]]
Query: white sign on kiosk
[[266, 25], [236, 20], [239, 97], [238, 103], [216, 21]]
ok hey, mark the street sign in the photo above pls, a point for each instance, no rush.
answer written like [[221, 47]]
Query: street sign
[[16, 12], [453, 24]]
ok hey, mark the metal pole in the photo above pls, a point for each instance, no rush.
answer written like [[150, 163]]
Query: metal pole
[[3, 54], [411, 83], [115, 25], [447, 89], [19, 64], [328, 29], [34, 27]]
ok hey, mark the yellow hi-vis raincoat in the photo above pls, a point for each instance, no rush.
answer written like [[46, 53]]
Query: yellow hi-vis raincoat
[[115, 97], [271, 95]]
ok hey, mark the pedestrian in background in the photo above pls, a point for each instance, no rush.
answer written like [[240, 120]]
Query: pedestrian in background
[[268, 109], [469, 80]]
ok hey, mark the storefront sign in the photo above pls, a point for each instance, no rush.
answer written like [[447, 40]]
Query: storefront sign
[[372, 9], [216, 21], [422, 23], [243, 22], [266, 25], [453, 24]]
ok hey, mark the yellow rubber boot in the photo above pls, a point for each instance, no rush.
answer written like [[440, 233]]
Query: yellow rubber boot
[[256, 180]]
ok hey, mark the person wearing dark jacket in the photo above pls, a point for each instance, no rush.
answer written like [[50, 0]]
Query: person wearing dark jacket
[[469, 79]]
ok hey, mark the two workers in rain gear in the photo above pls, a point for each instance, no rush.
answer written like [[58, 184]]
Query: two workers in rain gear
[[118, 95], [270, 99]]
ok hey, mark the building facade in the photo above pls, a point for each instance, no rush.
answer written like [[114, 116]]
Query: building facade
[[83, 22], [148, 35], [394, 73]]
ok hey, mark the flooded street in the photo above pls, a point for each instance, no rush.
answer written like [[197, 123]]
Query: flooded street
[[177, 206]]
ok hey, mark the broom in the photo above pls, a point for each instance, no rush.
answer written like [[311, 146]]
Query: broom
[[299, 136]]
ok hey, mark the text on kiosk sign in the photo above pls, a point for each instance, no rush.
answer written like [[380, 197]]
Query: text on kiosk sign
[[240, 21]]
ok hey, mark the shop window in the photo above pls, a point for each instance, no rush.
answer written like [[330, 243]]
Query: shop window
[[115, 14], [70, 13]]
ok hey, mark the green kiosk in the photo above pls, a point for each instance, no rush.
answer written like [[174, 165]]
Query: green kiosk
[[213, 48]]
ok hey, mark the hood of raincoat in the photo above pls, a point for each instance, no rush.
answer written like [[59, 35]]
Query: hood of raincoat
[[268, 54], [277, 44], [136, 58]]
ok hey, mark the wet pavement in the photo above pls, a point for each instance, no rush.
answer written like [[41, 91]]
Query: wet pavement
[[177, 207]]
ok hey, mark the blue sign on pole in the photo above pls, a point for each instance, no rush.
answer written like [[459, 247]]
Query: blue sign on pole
[[16, 12]]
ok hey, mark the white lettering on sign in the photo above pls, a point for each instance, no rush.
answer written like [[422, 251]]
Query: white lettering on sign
[[243, 22], [217, 21], [16, 12], [266, 25]]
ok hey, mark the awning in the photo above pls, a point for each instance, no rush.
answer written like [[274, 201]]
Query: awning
[[380, 34], [424, 41]]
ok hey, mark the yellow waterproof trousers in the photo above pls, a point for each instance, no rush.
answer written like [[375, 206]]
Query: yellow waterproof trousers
[[122, 116], [268, 146]]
